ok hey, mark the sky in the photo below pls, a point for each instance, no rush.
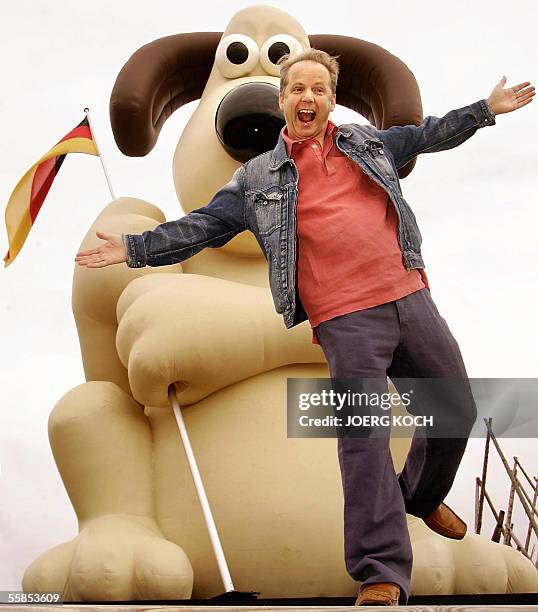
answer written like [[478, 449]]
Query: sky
[[476, 207]]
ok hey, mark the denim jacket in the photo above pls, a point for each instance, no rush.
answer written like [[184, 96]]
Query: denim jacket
[[262, 196]]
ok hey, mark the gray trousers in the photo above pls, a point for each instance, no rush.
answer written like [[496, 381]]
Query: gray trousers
[[406, 338]]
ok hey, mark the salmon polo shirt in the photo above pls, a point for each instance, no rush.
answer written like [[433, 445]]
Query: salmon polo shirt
[[349, 257]]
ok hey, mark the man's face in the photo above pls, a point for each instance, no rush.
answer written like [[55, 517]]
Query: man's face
[[307, 100]]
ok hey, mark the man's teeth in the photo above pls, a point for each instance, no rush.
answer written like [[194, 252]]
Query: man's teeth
[[306, 115]]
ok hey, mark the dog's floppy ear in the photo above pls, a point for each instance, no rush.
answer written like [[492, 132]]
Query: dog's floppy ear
[[157, 79], [374, 83]]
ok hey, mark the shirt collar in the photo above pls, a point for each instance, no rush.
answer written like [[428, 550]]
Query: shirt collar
[[290, 142]]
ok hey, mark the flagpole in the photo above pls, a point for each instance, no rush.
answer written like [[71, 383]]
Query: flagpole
[[87, 112]]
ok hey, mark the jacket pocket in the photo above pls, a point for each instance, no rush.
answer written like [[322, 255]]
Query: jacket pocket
[[380, 159], [268, 210]]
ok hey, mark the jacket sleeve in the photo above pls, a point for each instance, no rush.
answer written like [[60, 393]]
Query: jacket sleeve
[[211, 226], [434, 133]]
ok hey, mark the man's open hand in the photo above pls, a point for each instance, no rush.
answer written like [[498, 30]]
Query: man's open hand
[[112, 252], [510, 99]]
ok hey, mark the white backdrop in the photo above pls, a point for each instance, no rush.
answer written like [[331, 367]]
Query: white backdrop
[[476, 206]]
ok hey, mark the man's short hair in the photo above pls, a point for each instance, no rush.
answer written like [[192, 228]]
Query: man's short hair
[[313, 55]]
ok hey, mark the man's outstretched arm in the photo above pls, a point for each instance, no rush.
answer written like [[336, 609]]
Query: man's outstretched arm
[[174, 241], [440, 134]]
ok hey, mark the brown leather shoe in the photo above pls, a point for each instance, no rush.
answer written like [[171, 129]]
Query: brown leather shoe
[[446, 522], [379, 594]]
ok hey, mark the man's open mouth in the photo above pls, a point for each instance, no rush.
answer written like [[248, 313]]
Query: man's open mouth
[[306, 116]]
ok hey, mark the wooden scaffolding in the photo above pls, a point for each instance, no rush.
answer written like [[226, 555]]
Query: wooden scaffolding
[[504, 526]]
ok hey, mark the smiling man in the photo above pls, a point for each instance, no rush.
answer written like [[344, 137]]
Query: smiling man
[[343, 248], [307, 97]]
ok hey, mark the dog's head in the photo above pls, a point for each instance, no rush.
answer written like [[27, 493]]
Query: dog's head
[[236, 77]]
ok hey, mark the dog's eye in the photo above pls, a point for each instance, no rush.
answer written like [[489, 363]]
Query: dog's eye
[[274, 48], [236, 55]]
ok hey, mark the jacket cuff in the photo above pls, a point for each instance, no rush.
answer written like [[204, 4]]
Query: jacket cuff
[[483, 114], [134, 250]]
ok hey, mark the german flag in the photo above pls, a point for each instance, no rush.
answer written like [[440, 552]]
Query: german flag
[[30, 193]]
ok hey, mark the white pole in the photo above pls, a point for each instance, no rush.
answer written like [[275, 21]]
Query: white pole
[[209, 521], [87, 112]]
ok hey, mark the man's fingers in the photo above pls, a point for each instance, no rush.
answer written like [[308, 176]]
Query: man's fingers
[[516, 88], [525, 102], [93, 263], [85, 260], [88, 252], [525, 93], [94, 251]]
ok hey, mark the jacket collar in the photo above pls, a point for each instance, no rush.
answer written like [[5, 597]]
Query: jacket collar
[[279, 155]]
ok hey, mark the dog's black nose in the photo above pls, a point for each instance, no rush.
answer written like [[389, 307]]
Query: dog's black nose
[[248, 120]]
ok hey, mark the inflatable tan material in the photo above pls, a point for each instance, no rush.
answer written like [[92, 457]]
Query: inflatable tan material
[[209, 326]]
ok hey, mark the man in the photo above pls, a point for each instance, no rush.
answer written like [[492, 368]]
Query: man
[[343, 249]]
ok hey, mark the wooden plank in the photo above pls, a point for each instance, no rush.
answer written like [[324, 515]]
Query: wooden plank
[[90, 608]]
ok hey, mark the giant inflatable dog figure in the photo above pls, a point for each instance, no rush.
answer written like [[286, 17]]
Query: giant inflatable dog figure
[[209, 326]]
